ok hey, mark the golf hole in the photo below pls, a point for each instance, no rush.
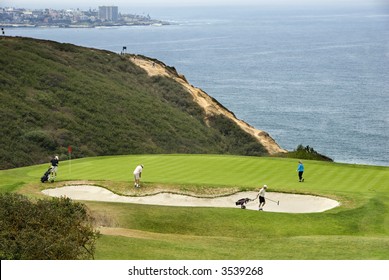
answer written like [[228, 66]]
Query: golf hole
[[275, 202]]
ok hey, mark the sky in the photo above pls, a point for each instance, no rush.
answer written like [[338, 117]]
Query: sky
[[65, 4]]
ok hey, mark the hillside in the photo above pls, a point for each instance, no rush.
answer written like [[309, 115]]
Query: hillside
[[55, 95]]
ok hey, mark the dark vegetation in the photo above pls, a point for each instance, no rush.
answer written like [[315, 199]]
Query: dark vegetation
[[55, 229], [306, 152], [55, 95]]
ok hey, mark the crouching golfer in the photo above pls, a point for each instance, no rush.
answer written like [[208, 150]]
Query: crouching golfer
[[137, 175], [261, 195]]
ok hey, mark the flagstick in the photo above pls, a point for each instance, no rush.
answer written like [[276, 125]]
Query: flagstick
[[70, 160], [70, 164]]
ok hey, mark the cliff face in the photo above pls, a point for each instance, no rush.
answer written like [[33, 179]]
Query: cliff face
[[211, 106]]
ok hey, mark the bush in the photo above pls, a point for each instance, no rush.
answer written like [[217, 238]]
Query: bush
[[41, 138], [48, 229], [307, 152]]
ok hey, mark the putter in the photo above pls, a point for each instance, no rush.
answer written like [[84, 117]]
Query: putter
[[278, 202]]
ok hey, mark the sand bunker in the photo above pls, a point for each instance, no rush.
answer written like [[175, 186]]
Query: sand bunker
[[288, 203]]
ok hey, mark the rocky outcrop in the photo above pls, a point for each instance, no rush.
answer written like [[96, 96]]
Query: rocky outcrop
[[210, 105]]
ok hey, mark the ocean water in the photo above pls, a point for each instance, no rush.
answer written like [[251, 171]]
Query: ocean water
[[317, 77]]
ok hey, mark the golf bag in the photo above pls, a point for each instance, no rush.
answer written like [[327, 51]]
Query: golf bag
[[46, 176], [242, 202]]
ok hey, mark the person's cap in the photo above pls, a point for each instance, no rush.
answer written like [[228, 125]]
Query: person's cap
[[141, 165], [265, 186], [56, 157]]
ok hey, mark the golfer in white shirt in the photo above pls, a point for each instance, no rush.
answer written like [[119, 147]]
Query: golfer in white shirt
[[137, 175], [261, 195]]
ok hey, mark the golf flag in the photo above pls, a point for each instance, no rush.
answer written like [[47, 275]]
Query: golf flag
[[70, 159]]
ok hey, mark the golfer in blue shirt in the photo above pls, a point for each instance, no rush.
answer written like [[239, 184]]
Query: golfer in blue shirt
[[300, 170]]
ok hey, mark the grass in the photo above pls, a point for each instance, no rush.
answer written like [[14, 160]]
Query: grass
[[302, 248], [358, 229]]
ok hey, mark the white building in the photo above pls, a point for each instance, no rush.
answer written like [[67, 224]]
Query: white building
[[108, 13]]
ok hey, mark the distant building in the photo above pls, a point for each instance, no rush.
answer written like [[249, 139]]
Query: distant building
[[108, 13]]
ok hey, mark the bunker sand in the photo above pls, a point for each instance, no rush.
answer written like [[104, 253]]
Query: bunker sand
[[288, 203]]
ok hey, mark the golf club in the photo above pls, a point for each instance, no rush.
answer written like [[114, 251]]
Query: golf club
[[278, 202]]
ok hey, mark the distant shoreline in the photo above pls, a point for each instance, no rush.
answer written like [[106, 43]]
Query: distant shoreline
[[81, 25], [108, 16]]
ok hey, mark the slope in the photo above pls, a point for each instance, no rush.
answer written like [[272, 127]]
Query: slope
[[55, 95]]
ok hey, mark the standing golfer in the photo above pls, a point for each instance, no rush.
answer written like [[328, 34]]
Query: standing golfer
[[54, 167], [300, 170], [137, 175], [261, 195]]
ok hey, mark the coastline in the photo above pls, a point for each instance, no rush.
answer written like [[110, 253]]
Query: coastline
[[15, 25]]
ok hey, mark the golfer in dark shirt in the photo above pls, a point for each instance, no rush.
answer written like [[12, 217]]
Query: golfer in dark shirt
[[54, 166]]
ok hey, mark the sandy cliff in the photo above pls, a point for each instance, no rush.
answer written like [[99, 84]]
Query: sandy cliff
[[209, 104]]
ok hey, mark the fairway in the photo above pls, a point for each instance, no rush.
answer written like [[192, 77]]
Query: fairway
[[357, 229]]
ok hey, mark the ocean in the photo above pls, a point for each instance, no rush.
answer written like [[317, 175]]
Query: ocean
[[310, 76]]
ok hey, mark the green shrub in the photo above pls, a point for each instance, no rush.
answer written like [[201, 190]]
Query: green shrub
[[55, 229], [42, 138], [307, 152]]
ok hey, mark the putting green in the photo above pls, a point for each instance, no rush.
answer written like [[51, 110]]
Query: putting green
[[217, 171]]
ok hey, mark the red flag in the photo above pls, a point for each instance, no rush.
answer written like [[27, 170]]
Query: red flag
[[70, 149]]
